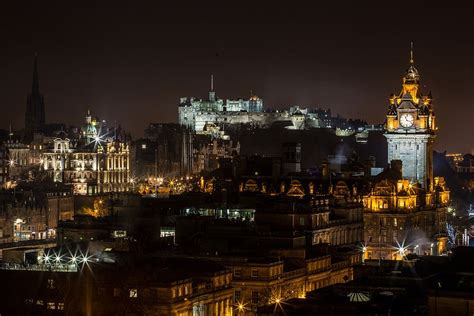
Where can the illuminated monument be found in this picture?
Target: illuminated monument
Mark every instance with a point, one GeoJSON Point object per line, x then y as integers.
{"type": "Point", "coordinates": [410, 130]}
{"type": "Point", "coordinates": [96, 163]}
{"type": "Point", "coordinates": [406, 209]}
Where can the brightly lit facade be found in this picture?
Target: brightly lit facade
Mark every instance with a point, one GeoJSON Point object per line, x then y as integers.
{"type": "Point", "coordinates": [97, 163]}
{"type": "Point", "coordinates": [262, 281]}
{"type": "Point", "coordinates": [410, 130]}
{"type": "Point", "coordinates": [406, 210]}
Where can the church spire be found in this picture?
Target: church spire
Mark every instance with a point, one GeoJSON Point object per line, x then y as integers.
{"type": "Point", "coordinates": [412, 77]}
{"type": "Point", "coordinates": [35, 85]}
{"type": "Point", "coordinates": [35, 113]}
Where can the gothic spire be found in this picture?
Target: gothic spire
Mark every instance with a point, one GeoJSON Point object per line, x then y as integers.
{"type": "Point", "coordinates": [412, 76]}
{"type": "Point", "coordinates": [35, 86]}
{"type": "Point", "coordinates": [35, 113]}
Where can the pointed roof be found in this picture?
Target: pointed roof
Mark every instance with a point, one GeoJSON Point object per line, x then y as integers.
{"type": "Point", "coordinates": [35, 84]}
{"type": "Point", "coordinates": [412, 76]}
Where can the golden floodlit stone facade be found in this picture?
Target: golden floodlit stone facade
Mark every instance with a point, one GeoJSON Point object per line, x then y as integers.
{"type": "Point", "coordinates": [406, 210]}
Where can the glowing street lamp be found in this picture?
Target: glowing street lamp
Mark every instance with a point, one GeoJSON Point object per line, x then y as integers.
{"type": "Point", "coordinates": [401, 249]}
{"type": "Point", "coordinates": [241, 308]}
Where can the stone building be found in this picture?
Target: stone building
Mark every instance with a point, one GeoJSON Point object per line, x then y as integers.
{"type": "Point", "coordinates": [95, 163]}
{"type": "Point", "coordinates": [410, 130]}
{"type": "Point", "coordinates": [4, 166]}
{"type": "Point", "coordinates": [34, 213]}
{"type": "Point", "coordinates": [406, 210]}
{"type": "Point", "coordinates": [258, 281]}
{"type": "Point", "coordinates": [166, 150]}
{"type": "Point", "coordinates": [139, 287]}
{"type": "Point", "coordinates": [197, 114]}
{"type": "Point", "coordinates": [321, 221]}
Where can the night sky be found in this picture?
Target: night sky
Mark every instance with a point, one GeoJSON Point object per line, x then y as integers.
{"type": "Point", "coordinates": [131, 63]}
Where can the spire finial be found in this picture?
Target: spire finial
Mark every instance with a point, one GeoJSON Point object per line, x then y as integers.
{"type": "Point", "coordinates": [35, 86]}
{"type": "Point", "coordinates": [412, 61]}
{"type": "Point", "coordinates": [212, 82]}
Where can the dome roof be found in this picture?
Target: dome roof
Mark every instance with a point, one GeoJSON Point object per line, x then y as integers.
{"type": "Point", "coordinates": [412, 75]}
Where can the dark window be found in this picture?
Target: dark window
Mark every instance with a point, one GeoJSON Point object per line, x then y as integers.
{"type": "Point", "coordinates": [254, 297]}
{"type": "Point", "coordinates": [237, 296]}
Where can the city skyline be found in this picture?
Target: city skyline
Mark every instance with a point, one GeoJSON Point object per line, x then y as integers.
{"type": "Point", "coordinates": [232, 159]}
{"type": "Point", "coordinates": [350, 68]}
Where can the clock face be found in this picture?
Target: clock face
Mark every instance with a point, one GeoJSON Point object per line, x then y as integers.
{"type": "Point", "coordinates": [406, 120]}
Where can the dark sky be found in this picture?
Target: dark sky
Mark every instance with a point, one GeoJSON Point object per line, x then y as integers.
{"type": "Point", "coordinates": [130, 63]}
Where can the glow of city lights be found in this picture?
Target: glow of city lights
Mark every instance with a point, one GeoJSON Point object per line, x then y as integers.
{"type": "Point", "coordinates": [85, 259]}
{"type": "Point", "coordinates": [401, 248]}
{"type": "Point", "coordinates": [241, 307]}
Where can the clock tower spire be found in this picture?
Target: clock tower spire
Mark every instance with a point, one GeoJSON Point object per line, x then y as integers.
{"type": "Point", "coordinates": [410, 129]}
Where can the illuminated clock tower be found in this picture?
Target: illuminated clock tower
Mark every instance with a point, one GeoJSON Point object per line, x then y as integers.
{"type": "Point", "coordinates": [410, 130]}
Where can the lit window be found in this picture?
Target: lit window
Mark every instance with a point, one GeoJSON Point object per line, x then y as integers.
{"type": "Point", "coordinates": [133, 293]}
{"type": "Point", "coordinates": [143, 146]}
{"type": "Point", "coordinates": [254, 273]}
{"type": "Point", "coordinates": [39, 302]}
{"type": "Point", "coordinates": [28, 301]}
{"type": "Point", "coordinates": [61, 306]}
{"type": "Point", "coordinates": [302, 221]}
{"type": "Point", "coordinates": [51, 305]}
{"type": "Point", "coordinates": [51, 284]}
